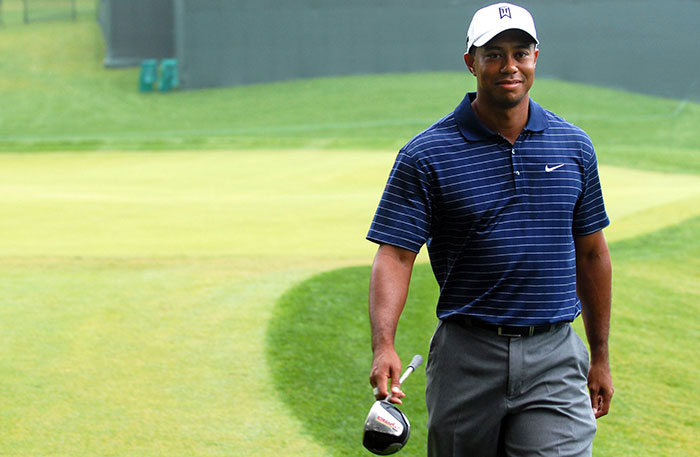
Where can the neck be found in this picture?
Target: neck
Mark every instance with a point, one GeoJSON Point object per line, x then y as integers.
{"type": "Point", "coordinates": [506, 121]}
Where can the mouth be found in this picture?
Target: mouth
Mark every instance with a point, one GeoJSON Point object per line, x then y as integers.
{"type": "Point", "coordinates": [509, 83]}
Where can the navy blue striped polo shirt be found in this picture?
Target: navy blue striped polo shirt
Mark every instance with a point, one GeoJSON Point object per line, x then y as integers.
{"type": "Point", "coordinates": [499, 220]}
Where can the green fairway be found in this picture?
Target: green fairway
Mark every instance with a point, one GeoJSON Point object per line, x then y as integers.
{"type": "Point", "coordinates": [274, 204]}
{"type": "Point", "coordinates": [146, 241]}
{"type": "Point", "coordinates": [138, 287]}
{"type": "Point", "coordinates": [141, 357]}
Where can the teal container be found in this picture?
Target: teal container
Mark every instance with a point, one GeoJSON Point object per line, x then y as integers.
{"type": "Point", "coordinates": [169, 77]}
{"type": "Point", "coordinates": [149, 75]}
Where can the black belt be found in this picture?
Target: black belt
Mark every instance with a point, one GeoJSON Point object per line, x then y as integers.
{"type": "Point", "coordinates": [507, 330]}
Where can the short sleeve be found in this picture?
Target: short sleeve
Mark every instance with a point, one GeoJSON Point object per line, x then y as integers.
{"type": "Point", "coordinates": [404, 212]}
{"type": "Point", "coordinates": [590, 215]}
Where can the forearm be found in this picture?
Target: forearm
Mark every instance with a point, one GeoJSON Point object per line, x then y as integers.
{"type": "Point", "coordinates": [593, 285]}
{"type": "Point", "coordinates": [388, 289]}
{"type": "Point", "coordinates": [594, 288]}
{"type": "Point", "coordinates": [596, 299]}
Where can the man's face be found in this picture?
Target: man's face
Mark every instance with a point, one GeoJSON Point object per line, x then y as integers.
{"type": "Point", "coordinates": [504, 68]}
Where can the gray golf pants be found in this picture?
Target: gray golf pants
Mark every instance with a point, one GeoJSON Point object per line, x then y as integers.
{"type": "Point", "coordinates": [495, 396]}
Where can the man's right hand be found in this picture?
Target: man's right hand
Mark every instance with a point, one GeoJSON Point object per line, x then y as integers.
{"type": "Point", "coordinates": [386, 366]}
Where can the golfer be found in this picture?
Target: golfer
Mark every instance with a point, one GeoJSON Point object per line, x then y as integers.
{"type": "Point", "coordinates": [506, 196]}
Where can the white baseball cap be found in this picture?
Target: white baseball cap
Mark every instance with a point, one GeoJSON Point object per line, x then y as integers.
{"type": "Point", "coordinates": [494, 19]}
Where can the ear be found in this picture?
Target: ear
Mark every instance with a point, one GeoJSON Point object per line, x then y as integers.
{"type": "Point", "coordinates": [537, 53]}
{"type": "Point", "coordinates": [469, 62]}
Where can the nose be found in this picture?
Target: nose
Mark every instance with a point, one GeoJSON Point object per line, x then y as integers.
{"type": "Point", "coordinates": [509, 66]}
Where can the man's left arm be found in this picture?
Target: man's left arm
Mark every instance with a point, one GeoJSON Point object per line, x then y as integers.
{"type": "Point", "coordinates": [594, 289]}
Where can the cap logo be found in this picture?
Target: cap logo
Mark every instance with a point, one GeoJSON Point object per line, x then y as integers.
{"type": "Point", "coordinates": [504, 11]}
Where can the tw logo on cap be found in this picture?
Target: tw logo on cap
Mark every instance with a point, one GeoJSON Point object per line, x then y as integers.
{"type": "Point", "coordinates": [504, 11]}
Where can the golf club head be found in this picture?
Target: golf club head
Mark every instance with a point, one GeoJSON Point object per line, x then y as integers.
{"type": "Point", "coordinates": [386, 429]}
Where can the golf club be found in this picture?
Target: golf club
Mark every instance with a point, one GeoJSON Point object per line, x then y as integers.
{"type": "Point", "coordinates": [387, 428]}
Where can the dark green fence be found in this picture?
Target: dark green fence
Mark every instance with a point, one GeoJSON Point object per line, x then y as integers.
{"type": "Point", "coordinates": [640, 45]}
{"type": "Point", "coordinates": [135, 30]}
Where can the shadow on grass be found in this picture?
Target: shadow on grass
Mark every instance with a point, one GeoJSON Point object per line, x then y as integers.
{"type": "Point", "coordinates": [319, 350]}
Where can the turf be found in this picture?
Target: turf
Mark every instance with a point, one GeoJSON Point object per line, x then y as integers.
{"type": "Point", "coordinates": [318, 347]}
{"type": "Point", "coordinates": [121, 357]}
{"type": "Point", "coordinates": [264, 204]}
{"type": "Point", "coordinates": [137, 288]}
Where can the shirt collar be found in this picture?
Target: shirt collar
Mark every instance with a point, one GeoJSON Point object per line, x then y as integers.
{"type": "Point", "coordinates": [473, 130]}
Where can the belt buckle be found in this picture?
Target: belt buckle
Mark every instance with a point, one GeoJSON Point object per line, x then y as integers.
{"type": "Point", "coordinates": [511, 335]}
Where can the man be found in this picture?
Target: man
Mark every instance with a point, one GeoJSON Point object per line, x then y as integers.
{"type": "Point", "coordinates": [507, 198]}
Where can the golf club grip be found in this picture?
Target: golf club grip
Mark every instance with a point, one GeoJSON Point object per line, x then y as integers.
{"type": "Point", "coordinates": [415, 363]}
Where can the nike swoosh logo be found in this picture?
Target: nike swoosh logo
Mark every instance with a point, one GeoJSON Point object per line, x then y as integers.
{"type": "Point", "coordinates": [547, 168]}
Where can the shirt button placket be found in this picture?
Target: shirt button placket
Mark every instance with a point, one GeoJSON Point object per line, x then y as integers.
{"type": "Point", "coordinates": [516, 165]}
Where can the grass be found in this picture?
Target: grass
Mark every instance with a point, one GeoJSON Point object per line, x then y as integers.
{"type": "Point", "coordinates": [246, 204]}
{"type": "Point", "coordinates": [57, 96]}
{"type": "Point", "coordinates": [318, 346]}
{"type": "Point", "coordinates": [259, 203]}
{"type": "Point", "coordinates": [123, 357]}
{"type": "Point", "coordinates": [137, 289]}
